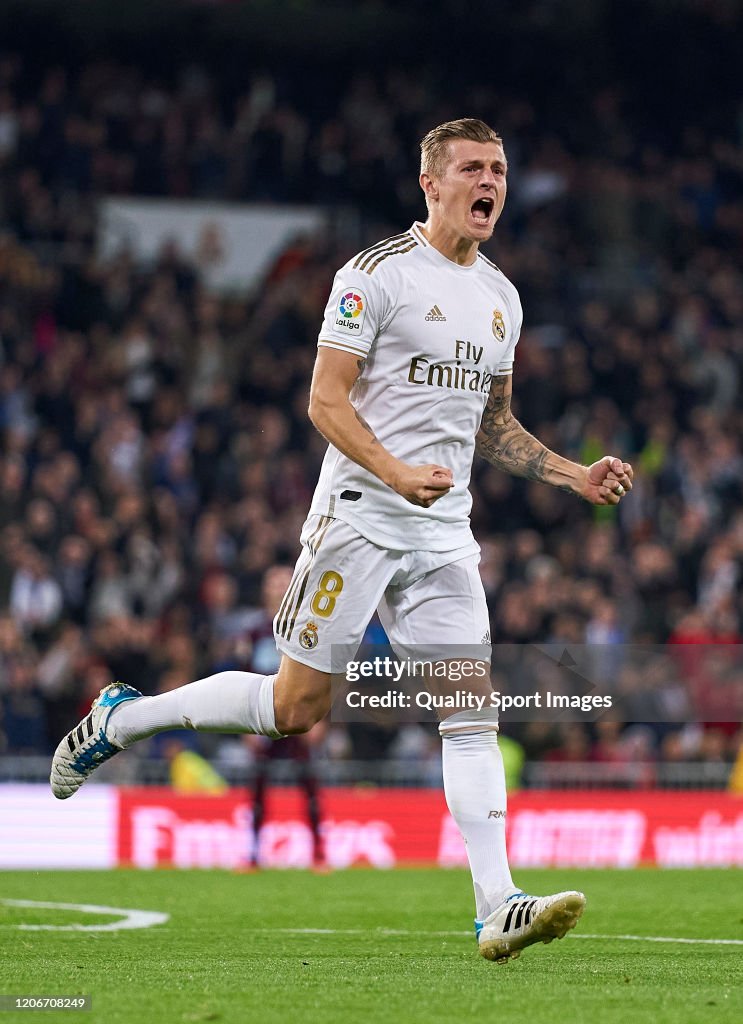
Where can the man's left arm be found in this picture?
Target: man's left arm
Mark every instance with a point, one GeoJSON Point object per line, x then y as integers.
{"type": "Point", "coordinates": [506, 444]}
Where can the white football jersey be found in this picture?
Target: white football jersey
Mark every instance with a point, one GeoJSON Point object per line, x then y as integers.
{"type": "Point", "coordinates": [432, 335]}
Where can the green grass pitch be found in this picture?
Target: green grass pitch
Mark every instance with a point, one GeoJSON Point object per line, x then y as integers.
{"type": "Point", "coordinates": [387, 946]}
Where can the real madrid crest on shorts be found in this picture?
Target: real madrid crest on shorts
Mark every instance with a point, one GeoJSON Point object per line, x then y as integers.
{"type": "Point", "coordinates": [498, 325]}
{"type": "Point", "coordinates": [308, 638]}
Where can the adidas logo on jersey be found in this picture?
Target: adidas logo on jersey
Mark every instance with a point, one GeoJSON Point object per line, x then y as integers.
{"type": "Point", "coordinates": [435, 314]}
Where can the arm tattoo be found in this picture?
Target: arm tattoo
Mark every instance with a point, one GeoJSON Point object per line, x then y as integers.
{"type": "Point", "coordinates": [504, 442]}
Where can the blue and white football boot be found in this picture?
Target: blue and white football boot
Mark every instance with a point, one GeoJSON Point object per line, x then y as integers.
{"type": "Point", "coordinates": [522, 920]}
{"type": "Point", "coordinates": [90, 743]}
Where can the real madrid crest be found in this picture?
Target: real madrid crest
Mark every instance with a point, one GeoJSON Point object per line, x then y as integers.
{"type": "Point", "coordinates": [498, 325]}
{"type": "Point", "coordinates": [308, 638]}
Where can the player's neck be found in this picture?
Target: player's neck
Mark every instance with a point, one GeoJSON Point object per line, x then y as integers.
{"type": "Point", "coordinates": [462, 251]}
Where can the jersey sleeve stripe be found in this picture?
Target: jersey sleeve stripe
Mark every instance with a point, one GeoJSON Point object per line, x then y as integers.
{"type": "Point", "coordinates": [417, 233]}
{"type": "Point", "coordinates": [329, 343]}
{"type": "Point", "coordinates": [489, 262]}
{"type": "Point", "coordinates": [391, 252]}
{"type": "Point", "coordinates": [378, 245]}
{"type": "Point", "coordinates": [363, 264]}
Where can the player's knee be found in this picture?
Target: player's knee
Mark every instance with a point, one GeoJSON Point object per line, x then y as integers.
{"type": "Point", "coordinates": [301, 697]}
{"type": "Point", "coordinates": [300, 716]}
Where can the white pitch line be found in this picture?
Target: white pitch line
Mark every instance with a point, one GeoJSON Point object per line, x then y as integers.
{"type": "Point", "coordinates": [129, 918]}
{"type": "Point", "coordinates": [354, 931]}
{"type": "Point", "coordinates": [147, 918]}
{"type": "Point", "coordinates": [459, 934]}
{"type": "Point", "coordinates": [661, 938]}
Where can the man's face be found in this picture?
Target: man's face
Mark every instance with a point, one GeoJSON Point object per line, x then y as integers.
{"type": "Point", "coordinates": [470, 194]}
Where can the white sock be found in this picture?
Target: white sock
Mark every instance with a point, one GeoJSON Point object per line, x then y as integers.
{"type": "Point", "coordinates": [475, 788]}
{"type": "Point", "coordinates": [226, 702]}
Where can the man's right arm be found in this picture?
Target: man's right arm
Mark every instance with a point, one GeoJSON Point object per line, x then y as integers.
{"type": "Point", "coordinates": [332, 413]}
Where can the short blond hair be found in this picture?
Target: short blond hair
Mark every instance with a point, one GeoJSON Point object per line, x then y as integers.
{"type": "Point", "coordinates": [435, 145]}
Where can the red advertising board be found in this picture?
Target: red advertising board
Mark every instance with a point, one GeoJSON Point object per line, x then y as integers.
{"type": "Point", "coordinates": [380, 828]}
{"type": "Point", "coordinates": [105, 826]}
{"type": "Point", "coordinates": [385, 827]}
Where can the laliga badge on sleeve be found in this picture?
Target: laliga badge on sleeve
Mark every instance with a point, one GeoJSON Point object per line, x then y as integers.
{"type": "Point", "coordinates": [351, 312]}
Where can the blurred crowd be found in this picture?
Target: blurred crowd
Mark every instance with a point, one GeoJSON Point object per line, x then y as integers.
{"type": "Point", "coordinates": [156, 460]}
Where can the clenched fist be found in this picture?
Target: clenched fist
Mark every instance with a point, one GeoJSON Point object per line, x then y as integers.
{"type": "Point", "coordinates": [422, 485]}
{"type": "Point", "coordinates": [607, 481]}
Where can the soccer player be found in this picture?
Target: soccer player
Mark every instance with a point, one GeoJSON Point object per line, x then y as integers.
{"type": "Point", "coordinates": [412, 378]}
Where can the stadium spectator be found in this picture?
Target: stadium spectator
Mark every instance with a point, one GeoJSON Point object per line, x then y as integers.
{"type": "Point", "coordinates": [628, 258]}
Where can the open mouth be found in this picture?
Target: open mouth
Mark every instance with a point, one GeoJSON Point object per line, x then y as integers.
{"type": "Point", "coordinates": [482, 209]}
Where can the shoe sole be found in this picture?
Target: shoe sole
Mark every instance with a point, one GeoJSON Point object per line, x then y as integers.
{"type": "Point", "coordinates": [63, 778]}
{"type": "Point", "coordinates": [553, 923]}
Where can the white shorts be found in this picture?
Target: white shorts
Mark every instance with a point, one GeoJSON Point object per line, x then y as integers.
{"type": "Point", "coordinates": [425, 599]}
